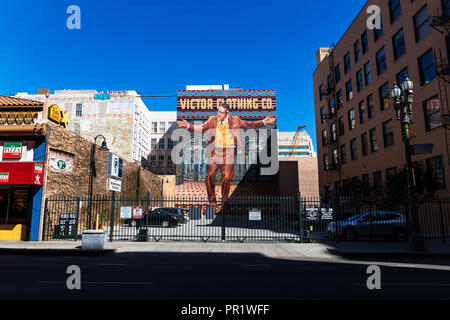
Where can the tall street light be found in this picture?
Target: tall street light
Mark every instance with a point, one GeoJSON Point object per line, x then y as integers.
{"type": "Point", "coordinates": [403, 104]}
{"type": "Point", "coordinates": [93, 172]}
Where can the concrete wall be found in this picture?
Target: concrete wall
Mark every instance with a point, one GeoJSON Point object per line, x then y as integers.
{"type": "Point", "coordinates": [307, 173]}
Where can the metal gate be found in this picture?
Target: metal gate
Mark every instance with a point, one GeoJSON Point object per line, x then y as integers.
{"type": "Point", "coordinates": [239, 219]}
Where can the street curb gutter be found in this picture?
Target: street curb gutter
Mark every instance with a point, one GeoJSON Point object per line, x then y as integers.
{"type": "Point", "coordinates": [399, 254]}
{"type": "Point", "coordinates": [55, 252]}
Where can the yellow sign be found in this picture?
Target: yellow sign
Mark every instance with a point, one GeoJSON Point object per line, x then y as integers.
{"type": "Point", "coordinates": [54, 113]}
{"type": "Point", "coordinates": [65, 118]}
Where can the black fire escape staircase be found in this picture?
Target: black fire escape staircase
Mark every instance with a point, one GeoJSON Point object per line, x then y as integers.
{"type": "Point", "coordinates": [440, 20]}
{"type": "Point", "coordinates": [443, 77]}
{"type": "Point", "coordinates": [331, 117]}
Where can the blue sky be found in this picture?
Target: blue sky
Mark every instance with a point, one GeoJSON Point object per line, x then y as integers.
{"type": "Point", "coordinates": [158, 47]}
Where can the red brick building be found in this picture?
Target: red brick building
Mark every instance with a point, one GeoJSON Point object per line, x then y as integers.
{"type": "Point", "coordinates": [359, 136]}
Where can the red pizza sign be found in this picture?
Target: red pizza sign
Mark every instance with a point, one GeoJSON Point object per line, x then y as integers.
{"type": "Point", "coordinates": [12, 150]}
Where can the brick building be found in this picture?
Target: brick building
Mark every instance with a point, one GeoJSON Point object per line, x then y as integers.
{"type": "Point", "coordinates": [359, 136]}
{"type": "Point", "coordinates": [41, 158]}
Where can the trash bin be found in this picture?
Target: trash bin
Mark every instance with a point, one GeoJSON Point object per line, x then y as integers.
{"type": "Point", "coordinates": [94, 239]}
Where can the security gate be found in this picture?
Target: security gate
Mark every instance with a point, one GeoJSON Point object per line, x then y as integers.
{"type": "Point", "coordinates": [239, 219]}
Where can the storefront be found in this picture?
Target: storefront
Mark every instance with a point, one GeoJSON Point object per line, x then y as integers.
{"type": "Point", "coordinates": [22, 167]}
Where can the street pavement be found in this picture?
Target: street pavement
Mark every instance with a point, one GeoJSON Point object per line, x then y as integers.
{"type": "Point", "coordinates": [215, 271]}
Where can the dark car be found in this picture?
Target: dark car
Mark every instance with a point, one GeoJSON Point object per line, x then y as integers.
{"type": "Point", "coordinates": [162, 217]}
{"type": "Point", "coordinates": [179, 213]}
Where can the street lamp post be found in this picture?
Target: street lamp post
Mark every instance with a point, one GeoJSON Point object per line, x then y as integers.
{"type": "Point", "coordinates": [93, 173]}
{"type": "Point", "coordinates": [403, 104]}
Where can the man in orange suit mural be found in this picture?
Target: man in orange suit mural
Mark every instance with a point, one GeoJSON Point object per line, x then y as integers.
{"type": "Point", "coordinates": [223, 145]}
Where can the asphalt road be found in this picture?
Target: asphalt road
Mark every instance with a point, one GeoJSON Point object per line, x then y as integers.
{"type": "Point", "coordinates": [184, 276]}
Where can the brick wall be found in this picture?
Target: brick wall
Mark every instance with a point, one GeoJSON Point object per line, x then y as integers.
{"type": "Point", "coordinates": [78, 149]}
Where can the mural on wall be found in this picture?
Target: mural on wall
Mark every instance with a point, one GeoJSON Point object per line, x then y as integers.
{"type": "Point", "coordinates": [223, 138]}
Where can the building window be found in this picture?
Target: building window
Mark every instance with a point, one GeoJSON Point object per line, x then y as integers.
{"type": "Point", "coordinates": [169, 144]}
{"type": "Point", "coordinates": [324, 138]}
{"type": "Point", "coordinates": [353, 149]}
{"type": "Point", "coordinates": [401, 76]}
{"type": "Point", "coordinates": [333, 132]}
{"type": "Point", "coordinates": [340, 102]}
{"type": "Point", "coordinates": [357, 50]}
{"type": "Point", "coordinates": [365, 42]}
{"type": "Point", "coordinates": [349, 90]}
{"type": "Point", "coordinates": [161, 161]}
{"type": "Point", "coordinates": [161, 144]}
{"type": "Point", "coordinates": [367, 73]}
{"type": "Point", "coordinates": [337, 73]}
{"type": "Point", "coordinates": [322, 114]}
{"type": "Point", "coordinates": [370, 107]}
{"type": "Point", "coordinates": [381, 61]}
{"type": "Point", "coordinates": [364, 144]}
{"type": "Point", "coordinates": [351, 119]}
{"type": "Point", "coordinates": [321, 92]}
{"type": "Point", "coordinates": [154, 127]}
{"type": "Point", "coordinates": [335, 158]}
{"type": "Point", "coordinates": [79, 110]}
{"type": "Point", "coordinates": [331, 107]}
{"type": "Point", "coordinates": [388, 133]}
{"type": "Point", "coordinates": [421, 24]}
{"type": "Point", "coordinates": [395, 9]}
{"type": "Point", "coordinates": [390, 172]}
{"type": "Point", "coordinates": [427, 69]}
{"type": "Point", "coordinates": [373, 140]}
{"type": "Point", "coordinates": [377, 33]}
{"type": "Point", "coordinates": [347, 65]}
{"type": "Point", "coordinates": [398, 42]}
{"type": "Point", "coordinates": [432, 112]}
{"type": "Point", "coordinates": [162, 127]}
{"type": "Point", "coordinates": [341, 126]}
{"type": "Point", "coordinates": [343, 154]}
{"type": "Point", "coordinates": [362, 111]}
{"type": "Point", "coordinates": [330, 82]}
{"type": "Point", "coordinates": [435, 166]}
{"type": "Point", "coordinates": [325, 162]}
{"type": "Point", "coordinates": [153, 144]}
{"type": "Point", "coordinates": [384, 96]}
{"type": "Point", "coordinates": [359, 81]}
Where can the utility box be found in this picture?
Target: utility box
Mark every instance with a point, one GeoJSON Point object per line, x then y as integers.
{"type": "Point", "coordinates": [94, 239]}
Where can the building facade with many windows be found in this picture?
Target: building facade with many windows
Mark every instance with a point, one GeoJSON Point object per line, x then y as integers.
{"type": "Point", "coordinates": [289, 146]}
{"type": "Point", "coordinates": [120, 116]}
{"type": "Point", "coordinates": [359, 136]}
{"type": "Point", "coordinates": [161, 144]}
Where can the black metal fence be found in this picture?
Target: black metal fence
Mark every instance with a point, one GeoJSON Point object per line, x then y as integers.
{"type": "Point", "coordinates": [251, 219]}
{"type": "Point", "coordinates": [347, 219]}
{"type": "Point", "coordinates": [243, 219]}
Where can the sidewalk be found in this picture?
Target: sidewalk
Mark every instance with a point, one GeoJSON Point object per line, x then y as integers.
{"type": "Point", "coordinates": [274, 250]}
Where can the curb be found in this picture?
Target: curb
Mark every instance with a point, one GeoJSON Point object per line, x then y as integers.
{"type": "Point", "coordinates": [399, 254]}
{"type": "Point", "coordinates": [55, 252]}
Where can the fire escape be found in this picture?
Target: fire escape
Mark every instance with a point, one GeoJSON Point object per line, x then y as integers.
{"type": "Point", "coordinates": [440, 21]}
{"type": "Point", "coordinates": [332, 123]}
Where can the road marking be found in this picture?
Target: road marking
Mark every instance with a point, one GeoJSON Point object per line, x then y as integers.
{"type": "Point", "coordinates": [102, 282]}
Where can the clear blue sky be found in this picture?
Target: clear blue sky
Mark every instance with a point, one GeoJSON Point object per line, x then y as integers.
{"type": "Point", "coordinates": [158, 47]}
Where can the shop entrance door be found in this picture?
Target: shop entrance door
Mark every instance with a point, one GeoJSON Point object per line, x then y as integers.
{"type": "Point", "coordinates": [4, 200]}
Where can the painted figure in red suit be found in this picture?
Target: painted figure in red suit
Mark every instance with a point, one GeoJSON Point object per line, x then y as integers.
{"type": "Point", "coordinates": [223, 145]}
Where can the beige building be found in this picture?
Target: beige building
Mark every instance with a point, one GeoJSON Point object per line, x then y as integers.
{"type": "Point", "coordinates": [359, 136]}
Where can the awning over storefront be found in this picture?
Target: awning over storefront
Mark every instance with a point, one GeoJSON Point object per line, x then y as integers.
{"type": "Point", "coordinates": [22, 173]}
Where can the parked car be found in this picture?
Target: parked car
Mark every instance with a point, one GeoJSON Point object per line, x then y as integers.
{"type": "Point", "coordinates": [161, 216]}
{"type": "Point", "coordinates": [179, 213]}
{"type": "Point", "coordinates": [377, 223]}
